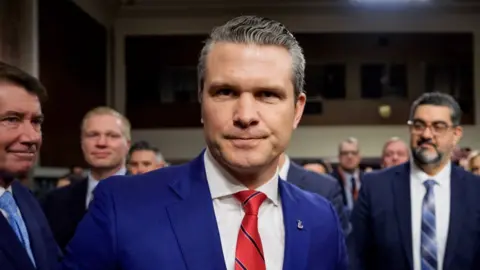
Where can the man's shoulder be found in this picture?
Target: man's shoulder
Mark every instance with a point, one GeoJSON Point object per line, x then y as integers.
{"type": "Point", "coordinates": [307, 199]}
{"type": "Point", "coordinates": [67, 191]}
{"type": "Point", "coordinates": [157, 180]}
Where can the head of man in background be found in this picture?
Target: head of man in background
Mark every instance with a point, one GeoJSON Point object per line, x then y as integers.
{"type": "Point", "coordinates": [143, 158]}
{"type": "Point", "coordinates": [349, 155]}
{"type": "Point", "coordinates": [20, 122]}
{"type": "Point", "coordinates": [395, 152]}
{"type": "Point", "coordinates": [105, 141]}
{"type": "Point", "coordinates": [435, 131]}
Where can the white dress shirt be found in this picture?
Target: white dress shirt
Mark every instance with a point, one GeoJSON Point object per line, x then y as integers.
{"type": "Point", "coordinates": [3, 190]}
{"type": "Point", "coordinates": [92, 184]}
{"type": "Point", "coordinates": [284, 170]}
{"type": "Point", "coordinates": [229, 214]}
{"type": "Point", "coordinates": [442, 210]}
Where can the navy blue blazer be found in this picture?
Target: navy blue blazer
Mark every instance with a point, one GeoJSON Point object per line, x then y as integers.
{"type": "Point", "coordinates": [323, 185]}
{"type": "Point", "coordinates": [13, 255]}
{"type": "Point", "coordinates": [382, 225]}
{"type": "Point", "coordinates": [165, 220]}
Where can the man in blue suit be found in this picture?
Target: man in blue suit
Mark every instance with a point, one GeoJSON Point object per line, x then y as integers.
{"type": "Point", "coordinates": [26, 242]}
{"type": "Point", "coordinates": [423, 214]}
{"type": "Point", "coordinates": [227, 209]}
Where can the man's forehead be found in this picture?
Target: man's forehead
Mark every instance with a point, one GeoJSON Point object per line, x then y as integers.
{"type": "Point", "coordinates": [143, 154]}
{"type": "Point", "coordinates": [433, 113]}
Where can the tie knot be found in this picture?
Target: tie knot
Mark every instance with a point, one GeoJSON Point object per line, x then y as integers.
{"type": "Point", "coordinates": [7, 203]}
{"type": "Point", "coordinates": [429, 184]}
{"type": "Point", "coordinates": [250, 200]}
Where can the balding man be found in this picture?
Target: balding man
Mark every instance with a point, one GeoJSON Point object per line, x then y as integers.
{"type": "Point", "coordinates": [395, 152]}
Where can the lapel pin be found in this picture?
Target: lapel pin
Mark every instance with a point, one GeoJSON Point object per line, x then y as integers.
{"type": "Point", "coordinates": [299, 225]}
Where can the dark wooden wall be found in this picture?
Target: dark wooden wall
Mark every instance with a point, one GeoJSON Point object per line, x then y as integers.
{"type": "Point", "coordinates": [73, 68]}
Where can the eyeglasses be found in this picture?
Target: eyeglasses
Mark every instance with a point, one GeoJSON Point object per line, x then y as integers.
{"type": "Point", "coordinates": [437, 128]}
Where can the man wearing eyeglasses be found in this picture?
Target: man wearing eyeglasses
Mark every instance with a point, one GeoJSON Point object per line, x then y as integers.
{"type": "Point", "coordinates": [423, 214]}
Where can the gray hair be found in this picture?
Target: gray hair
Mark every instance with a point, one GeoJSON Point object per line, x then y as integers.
{"type": "Point", "coordinates": [439, 99]}
{"type": "Point", "coordinates": [258, 31]}
{"type": "Point", "coordinates": [349, 140]}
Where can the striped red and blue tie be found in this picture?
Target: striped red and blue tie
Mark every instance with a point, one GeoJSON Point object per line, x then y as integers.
{"type": "Point", "coordinates": [249, 253]}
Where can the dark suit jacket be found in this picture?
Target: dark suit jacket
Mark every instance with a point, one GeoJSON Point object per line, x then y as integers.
{"type": "Point", "coordinates": [165, 219]}
{"type": "Point", "coordinates": [13, 255]}
{"type": "Point", "coordinates": [382, 221]}
{"type": "Point", "coordinates": [64, 208]}
{"type": "Point", "coordinates": [338, 176]}
{"type": "Point", "coordinates": [323, 185]}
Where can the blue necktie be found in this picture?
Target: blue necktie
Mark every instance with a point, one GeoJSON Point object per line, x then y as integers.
{"type": "Point", "coordinates": [429, 236]}
{"type": "Point", "coordinates": [8, 204]}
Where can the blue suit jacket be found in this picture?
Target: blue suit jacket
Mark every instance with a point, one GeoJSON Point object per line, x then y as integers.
{"type": "Point", "coordinates": [13, 255]}
{"type": "Point", "coordinates": [323, 185]}
{"type": "Point", "coordinates": [165, 220]}
{"type": "Point", "coordinates": [382, 228]}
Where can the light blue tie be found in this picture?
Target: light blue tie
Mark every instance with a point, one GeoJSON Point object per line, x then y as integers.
{"type": "Point", "coordinates": [429, 235]}
{"type": "Point", "coordinates": [8, 204]}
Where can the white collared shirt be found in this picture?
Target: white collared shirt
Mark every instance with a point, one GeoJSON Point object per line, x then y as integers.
{"type": "Point", "coordinates": [442, 210]}
{"type": "Point", "coordinates": [3, 190]}
{"type": "Point", "coordinates": [229, 214]}
{"type": "Point", "coordinates": [92, 184]}
{"type": "Point", "coordinates": [285, 167]}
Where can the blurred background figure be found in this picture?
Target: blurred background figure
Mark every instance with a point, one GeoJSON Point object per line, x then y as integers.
{"type": "Point", "coordinates": [395, 152]}
{"type": "Point", "coordinates": [318, 167]}
{"type": "Point", "coordinates": [143, 158]}
{"type": "Point", "coordinates": [474, 162]}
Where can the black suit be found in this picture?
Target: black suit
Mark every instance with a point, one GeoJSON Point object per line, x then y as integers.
{"type": "Point", "coordinates": [321, 184]}
{"type": "Point", "coordinates": [339, 177]}
{"type": "Point", "coordinates": [382, 221]}
{"type": "Point", "coordinates": [13, 255]}
{"type": "Point", "coordinates": [64, 209]}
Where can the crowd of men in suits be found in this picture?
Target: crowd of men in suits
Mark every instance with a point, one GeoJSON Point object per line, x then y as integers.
{"type": "Point", "coordinates": [242, 203]}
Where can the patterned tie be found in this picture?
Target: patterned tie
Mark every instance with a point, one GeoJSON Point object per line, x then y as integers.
{"type": "Point", "coordinates": [429, 238]}
{"type": "Point", "coordinates": [8, 204]}
{"type": "Point", "coordinates": [249, 253]}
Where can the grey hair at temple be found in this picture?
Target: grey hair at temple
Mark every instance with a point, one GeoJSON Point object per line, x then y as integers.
{"type": "Point", "coordinates": [258, 31]}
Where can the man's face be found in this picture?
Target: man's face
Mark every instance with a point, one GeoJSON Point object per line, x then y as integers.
{"type": "Point", "coordinates": [248, 106]}
{"type": "Point", "coordinates": [104, 144]}
{"type": "Point", "coordinates": [395, 153]}
{"type": "Point", "coordinates": [143, 161]}
{"type": "Point", "coordinates": [315, 167]}
{"type": "Point", "coordinates": [20, 129]}
{"type": "Point", "coordinates": [432, 134]}
{"type": "Point", "coordinates": [349, 156]}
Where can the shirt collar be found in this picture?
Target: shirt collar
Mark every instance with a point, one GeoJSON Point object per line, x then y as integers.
{"type": "Point", "coordinates": [222, 184]}
{"type": "Point", "coordinates": [285, 167]}
{"type": "Point", "coordinates": [92, 182]}
{"type": "Point", "coordinates": [440, 178]}
{"type": "Point", "coordinates": [2, 190]}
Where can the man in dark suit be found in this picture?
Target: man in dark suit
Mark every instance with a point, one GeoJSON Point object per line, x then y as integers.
{"type": "Point", "coordinates": [348, 173]}
{"type": "Point", "coordinates": [105, 144]}
{"type": "Point", "coordinates": [227, 209]}
{"type": "Point", "coordinates": [423, 214]}
{"type": "Point", "coordinates": [26, 242]}
{"type": "Point", "coordinates": [321, 184]}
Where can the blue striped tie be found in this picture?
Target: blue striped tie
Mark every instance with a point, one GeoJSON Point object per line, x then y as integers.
{"type": "Point", "coordinates": [429, 237]}
{"type": "Point", "coordinates": [8, 204]}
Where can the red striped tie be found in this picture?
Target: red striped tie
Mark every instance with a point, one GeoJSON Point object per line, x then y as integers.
{"type": "Point", "coordinates": [249, 254]}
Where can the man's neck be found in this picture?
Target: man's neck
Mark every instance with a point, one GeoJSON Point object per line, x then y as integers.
{"type": "Point", "coordinates": [102, 173]}
{"type": "Point", "coordinates": [256, 177]}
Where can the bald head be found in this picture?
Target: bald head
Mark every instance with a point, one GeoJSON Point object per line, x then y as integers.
{"type": "Point", "coordinates": [395, 152]}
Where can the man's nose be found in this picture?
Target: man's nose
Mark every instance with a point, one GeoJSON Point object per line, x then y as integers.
{"type": "Point", "coordinates": [31, 134]}
{"type": "Point", "coordinates": [245, 113]}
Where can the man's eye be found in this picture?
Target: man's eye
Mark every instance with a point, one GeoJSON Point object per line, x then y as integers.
{"type": "Point", "coordinates": [224, 92]}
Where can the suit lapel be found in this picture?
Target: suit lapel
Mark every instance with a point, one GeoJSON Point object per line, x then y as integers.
{"type": "Point", "coordinates": [458, 205]}
{"type": "Point", "coordinates": [9, 242]}
{"type": "Point", "coordinates": [401, 193]}
{"type": "Point", "coordinates": [193, 220]}
{"type": "Point", "coordinates": [297, 236]}
{"type": "Point", "coordinates": [25, 203]}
